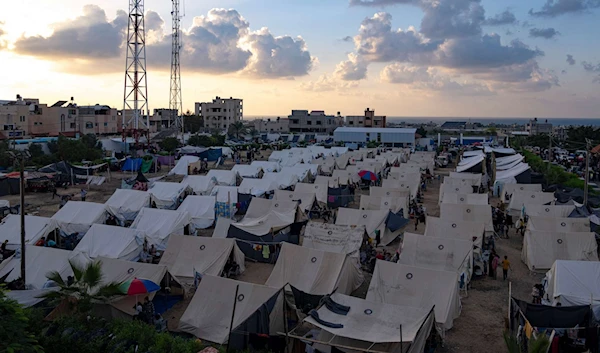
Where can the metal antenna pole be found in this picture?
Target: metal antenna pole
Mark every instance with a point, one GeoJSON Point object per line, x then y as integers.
{"type": "Point", "coordinates": [587, 171]}
{"type": "Point", "coordinates": [175, 101]}
{"type": "Point", "coordinates": [22, 197]}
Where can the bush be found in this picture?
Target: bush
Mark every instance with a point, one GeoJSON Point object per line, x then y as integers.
{"type": "Point", "coordinates": [553, 174]}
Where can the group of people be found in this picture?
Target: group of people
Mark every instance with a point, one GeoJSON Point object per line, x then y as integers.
{"type": "Point", "coordinates": [203, 167]}
{"type": "Point", "coordinates": [369, 255]}
{"type": "Point", "coordinates": [418, 212]}
{"type": "Point", "coordinates": [502, 221]}
{"type": "Point", "coordinates": [145, 312]}
{"type": "Point", "coordinates": [492, 264]}
{"type": "Point", "coordinates": [69, 197]}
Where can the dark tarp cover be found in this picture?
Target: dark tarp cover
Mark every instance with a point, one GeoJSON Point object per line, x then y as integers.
{"type": "Point", "coordinates": [132, 165]}
{"type": "Point", "coordinates": [339, 197]}
{"type": "Point", "coordinates": [395, 221]}
{"type": "Point", "coordinates": [524, 178]}
{"type": "Point", "coordinates": [295, 138]}
{"type": "Point", "coordinates": [64, 168]}
{"type": "Point", "coordinates": [247, 243]}
{"type": "Point", "coordinates": [556, 316]}
{"type": "Point", "coordinates": [575, 194]}
{"type": "Point", "coordinates": [9, 186]}
{"type": "Point", "coordinates": [211, 155]}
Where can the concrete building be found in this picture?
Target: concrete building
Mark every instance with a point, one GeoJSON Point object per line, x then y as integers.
{"type": "Point", "coordinates": [162, 119]}
{"type": "Point", "coordinates": [99, 119]}
{"type": "Point", "coordinates": [281, 125]}
{"type": "Point", "coordinates": [395, 137]}
{"type": "Point", "coordinates": [220, 113]}
{"type": "Point", "coordinates": [316, 121]}
{"type": "Point", "coordinates": [14, 117]}
{"type": "Point", "coordinates": [534, 127]}
{"type": "Point", "coordinates": [369, 119]}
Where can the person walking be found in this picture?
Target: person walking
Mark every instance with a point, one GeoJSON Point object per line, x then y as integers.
{"type": "Point", "coordinates": [505, 267]}
{"type": "Point", "coordinates": [83, 194]}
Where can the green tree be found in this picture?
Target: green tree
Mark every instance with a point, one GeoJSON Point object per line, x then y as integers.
{"type": "Point", "coordinates": [15, 331]}
{"type": "Point", "coordinates": [421, 131]}
{"type": "Point", "coordinates": [35, 150]}
{"type": "Point", "coordinates": [536, 345]}
{"type": "Point", "coordinates": [236, 129]}
{"type": "Point", "coordinates": [86, 289]}
{"type": "Point", "coordinates": [253, 133]}
{"type": "Point", "coordinates": [169, 144]}
{"type": "Point", "coordinates": [192, 123]}
{"type": "Point", "coordinates": [492, 131]}
{"type": "Point", "coordinates": [202, 141]}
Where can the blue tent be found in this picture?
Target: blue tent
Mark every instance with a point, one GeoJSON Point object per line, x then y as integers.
{"type": "Point", "coordinates": [211, 155]}
{"type": "Point", "coordinates": [132, 165]}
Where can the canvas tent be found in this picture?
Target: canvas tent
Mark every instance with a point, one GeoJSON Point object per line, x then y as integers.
{"type": "Point", "coordinates": [39, 261]}
{"type": "Point", "coordinates": [307, 200]}
{"type": "Point", "coordinates": [509, 189]}
{"type": "Point", "coordinates": [417, 287]}
{"type": "Point", "coordinates": [314, 271]}
{"type": "Point", "coordinates": [186, 255]}
{"type": "Point", "coordinates": [320, 191]}
{"type": "Point", "coordinates": [347, 176]}
{"type": "Point", "coordinates": [181, 168]}
{"type": "Point", "coordinates": [327, 181]}
{"type": "Point", "coordinates": [525, 198]}
{"type": "Point", "coordinates": [474, 177]}
{"type": "Point", "coordinates": [125, 204]}
{"type": "Point", "coordinates": [35, 228]}
{"type": "Point", "coordinates": [201, 210]}
{"type": "Point", "coordinates": [372, 220]}
{"type": "Point", "coordinates": [158, 224]}
{"type": "Point", "coordinates": [223, 177]}
{"type": "Point", "coordinates": [282, 180]}
{"type": "Point", "coordinates": [266, 166]}
{"type": "Point", "coordinates": [334, 238]}
{"type": "Point", "coordinates": [112, 242]}
{"type": "Point", "coordinates": [542, 248]}
{"type": "Point", "coordinates": [394, 204]}
{"type": "Point", "coordinates": [166, 195]}
{"type": "Point", "coordinates": [457, 189]}
{"type": "Point", "coordinates": [200, 184]}
{"type": "Point", "coordinates": [389, 192]}
{"type": "Point", "coordinates": [468, 199]}
{"type": "Point", "coordinates": [208, 316]}
{"type": "Point", "coordinates": [470, 164]}
{"type": "Point", "coordinates": [558, 224]}
{"type": "Point", "coordinates": [470, 213]}
{"type": "Point", "coordinates": [247, 171]}
{"type": "Point", "coordinates": [549, 210]}
{"type": "Point", "coordinates": [257, 187]}
{"type": "Point", "coordinates": [78, 216]}
{"type": "Point", "coordinates": [412, 186]}
{"type": "Point", "coordinates": [455, 229]}
{"type": "Point", "coordinates": [226, 193]}
{"type": "Point", "coordinates": [573, 283]}
{"type": "Point", "coordinates": [403, 176]}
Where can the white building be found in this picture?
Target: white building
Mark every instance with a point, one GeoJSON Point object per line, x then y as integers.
{"type": "Point", "coordinates": [221, 112]}
{"type": "Point", "coordinates": [281, 125]}
{"type": "Point", "coordinates": [396, 137]}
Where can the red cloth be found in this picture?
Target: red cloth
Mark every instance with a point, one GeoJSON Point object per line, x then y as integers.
{"type": "Point", "coordinates": [379, 256]}
{"type": "Point", "coordinates": [554, 346]}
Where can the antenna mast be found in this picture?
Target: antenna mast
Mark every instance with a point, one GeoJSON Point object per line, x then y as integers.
{"type": "Point", "coordinates": [135, 97]}
{"type": "Point", "coordinates": [175, 101]}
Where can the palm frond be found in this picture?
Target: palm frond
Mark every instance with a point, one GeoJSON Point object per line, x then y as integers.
{"type": "Point", "coordinates": [55, 277]}
{"type": "Point", "coordinates": [52, 295]}
{"type": "Point", "coordinates": [511, 343]}
{"type": "Point", "coordinates": [539, 344]}
{"type": "Point", "coordinates": [109, 290]}
{"type": "Point", "coordinates": [92, 274]}
{"type": "Point", "coordinates": [77, 270]}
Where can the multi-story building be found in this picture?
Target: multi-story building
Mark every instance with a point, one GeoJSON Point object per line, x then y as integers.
{"type": "Point", "coordinates": [316, 122]}
{"type": "Point", "coordinates": [99, 119]}
{"type": "Point", "coordinates": [281, 125]}
{"type": "Point", "coordinates": [14, 117]}
{"type": "Point", "coordinates": [369, 119]}
{"type": "Point", "coordinates": [221, 112]}
{"type": "Point", "coordinates": [535, 128]}
{"type": "Point", "coordinates": [162, 118]}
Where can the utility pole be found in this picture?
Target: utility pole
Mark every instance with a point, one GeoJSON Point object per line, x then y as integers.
{"type": "Point", "coordinates": [20, 156]}
{"type": "Point", "coordinates": [587, 170]}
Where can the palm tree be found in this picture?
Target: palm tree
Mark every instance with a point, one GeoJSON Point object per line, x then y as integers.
{"type": "Point", "coordinates": [536, 345]}
{"type": "Point", "coordinates": [237, 128]}
{"type": "Point", "coordinates": [85, 289]}
{"type": "Point", "coordinates": [253, 133]}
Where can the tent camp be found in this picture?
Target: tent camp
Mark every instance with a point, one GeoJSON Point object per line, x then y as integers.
{"type": "Point", "coordinates": [369, 326]}
{"type": "Point", "coordinates": [471, 164]}
{"type": "Point", "coordinates": [394, 204]}
{"type": "Point", "coordinates": [247, 171]}
{"type": "Point", "coordinates": [266, 166]}
{"type": "Point", "coordinates": [223, 177]}
{"type": "Point", "coordinates": [112, 242]}
{"type": "Point", "coordinates": [468, 199]}
{"type": "Point", "coordinates": [125, 204]}
{"type": "Point", "coordinates": [257, 187]}
{"type": "Point", "coordinates": [158, 224]}
{"type": "Point", "coordinates": [455, 229]}
{"type": "Point", "coordinates": [225, 193]}
{"type": "Point", "coordinates": [314, 271]}
{"type": "Point", "coordinates": [208, 316]}
{"type": "Point", "coordinates": [320, 191]}
{"type": "Point", "coordinates": [334, 238]}
{"type": "Point", "coordinates": [389, 191]}
{"type": "Point", "coordinates": [520, 173]}
{"type": "Point", "coordinates": [542, 248]}
{"type": "Point", "coordinates": [200, 184]}
{"type": "Point", "coordinates": [525, 198]}
{"type": "Point", "coordinates": [182, 166]}
{"type": "Point", "coordinates": [403, 176]}
{"type": "Point", "coordinates": [186, 255]}
{"type": "Point", "coordinates": [558, 224]}
{"type": "Point", "coordinates": [39, 261]}
{"type": "Point", "coordinates": [457, 181]}
{"type": "Point", "coordinates": [201, 210]}
{"type": "Point", "coordinates": [444, 254]}
{"type": "Point", "coordinates": [509, 189]}
{"type": "Point", "coordinates": [559, 211]}
{"type": "Point", "coordinates": [35, 228]}
{"type": "Point", "coordinates": [347, 176]}
{"type": "Point", "coordinates": [469, 213]}
{"type": "Point", "coordinates": [372, 220]}
{"type": "Point", "coordinates": [418, 287]}
{"type": "Point", "coordinates": [166, 195]}
{"type": "Point", "coordinates": [282, 180]}
{"type": "Point", "coordinates": [573, 283]}
{"type": "Point", "coordinates": [474, 177]}
{"type": "Point", "coordinates": [307, 200]}
{"type": "Point", "coordinates": [304, 172]}
{"type": "Point", "coordinates": [412, 186]}
{"type": "Point", "coordinates": [78, 216]}
{"type": "Point", "coordinates": [457, 189]}
{"type": "Point", "coordinates": [327, 181]}
{"type": "Point", "coordinates": [222, 227]}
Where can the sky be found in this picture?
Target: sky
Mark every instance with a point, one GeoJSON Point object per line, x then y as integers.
{"type": "Point", "coordinates": [430, 58]}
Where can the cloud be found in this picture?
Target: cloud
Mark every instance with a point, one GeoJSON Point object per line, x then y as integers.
{"type": "Point", "coordinates": [547, 33]}
{"type": "Point", "coordinates": [353, 69]}
{"type": "Point", "coordinates": [509, 33]}
{"type": "Point", "coordinates": [571, 60]}
{"type": "Point", "coordinates": [503, 18]}
{"type": "Point", "coordinates": [554, 8]}
{"type": "Point", "coordinates": [327, 82]}
{"type": "Point", "coordinates": [347, 39]}
{"type": "Point", "coordinates": [89, 36]}
{"type": "Point", "coordinates": [380, 3]}
{"type": "Point", "coordinates": [452, 18]}
{"type": "Point", "coordinates": [592, 68]}
{"type": "Point", "coordinates": [3, 43]}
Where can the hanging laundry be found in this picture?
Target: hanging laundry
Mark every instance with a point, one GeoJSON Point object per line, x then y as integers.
{"type": "Point", "coordinates": [266, 252]}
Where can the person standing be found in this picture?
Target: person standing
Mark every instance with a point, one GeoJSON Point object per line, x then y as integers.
{"type": "Point", "coordinates": [505, 267]}
{"type": "Point", "coordinates": [83, 194]}
{"type": "Point", "coordinates": [495, 266]}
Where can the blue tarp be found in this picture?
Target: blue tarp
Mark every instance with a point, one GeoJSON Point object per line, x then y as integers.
{"type": "Point", "coordinates": [132, 165]}
{"type": "Point", "coordinates": [295, 138]}
{"type": "Point", "coordinates": [211, 154]}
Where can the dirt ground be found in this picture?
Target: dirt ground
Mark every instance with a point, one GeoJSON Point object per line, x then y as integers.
{"type": "Point", "coordinates": [480, 325]}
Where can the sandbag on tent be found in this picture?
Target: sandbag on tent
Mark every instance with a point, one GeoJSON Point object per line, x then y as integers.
{"type": "Point", "coordinates": [394, 204]}
{"type": "Point", "coordinates": [200, 184]}
{"type": "Point", "coordinates": [418, 287]}
{"type": "Point", "coordinates": [558, 224]}
{"type": "Point", "coordinates": [469, 213]}
{"type": "Point", "coordinates": [559, 211]}
{"type": "Point", "coordinates": [257, 187]}
{"type": "Point", "coordinates": [158, 224]}
{"type": "Point", "coordinates": [35, 228]}
{"type": "Point", "coordinates": [319, 190]}
{"type": "Point", "coordinates": [374, 222]}
{"type": "Point", "coordinates": [78, 216]}
{"type": "Point", "coordinates": [223, 177]}
{"type": "Point", "coordinates": [468, 199]}
{"type": "Point", "coordinates": [125, 204]}
{"type": "Point", "coordinates": [187, 255]}
{"type": "Point", "coordinates": [39, 261]}
{"type": "Point", "coordinates": [542, 248]}
{"type": "Point", "coordinates": [444, 254]}
{"type": "Point", "coordinates": [314, 271]}
{"type": "Point", "coordinates": [388, 192]}
{"type": "Point", "coordinates": [201, 210]}
{"type": "Point", "coordinates": [247, 171]}
{"type": "Point", "coordinates": [457, 189]}
{"type": "Point", "coordinates": [455, 229]}
{"type": "Point", "coordinates": [282, 180]}
{"type": "Point", "coordinates": [205, 315]}
{"type": "Point", "coordinates": [166, 195]}
{"type": "Point", "coordinates": [306, 200]}
{"type": "Point", "coordinates": [334, 238]}
{"type": "Point", "coordinates": [266, 166]}
{"type": "Point", "coordinates": [573, 283]}
{"type": "Point", "coordinates": [526, 198]}
{"type": "Point", "coordinates": [112, 242]}
{"type": "Point", "coordinates": [182, 166]}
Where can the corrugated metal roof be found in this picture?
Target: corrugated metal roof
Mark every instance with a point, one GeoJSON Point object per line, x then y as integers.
{"type": "Point", "coordinates": [377, 130]}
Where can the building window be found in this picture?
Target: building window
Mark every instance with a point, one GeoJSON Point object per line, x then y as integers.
{"type": "Point", "coordinates": [72, 125]}
{"type": "Point", "coordinates": [105, 124]}
{"type": "Point", "coordinates": [113, 118]}
{"type": "Point", "coordinates": [72, 111]}
{"type": "Point", "coordinates": [89, 125]}
{"type": "Point", "coordinates": [308, 122]}
{"type": "Point", "coordinates": [22, 118]}
{"type": "Point", "coordinates": [319, 122]}
{"type": "Point", "coordinates": [351, 123]}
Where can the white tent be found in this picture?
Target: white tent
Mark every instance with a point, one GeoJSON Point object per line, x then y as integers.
{"type": "Point", "coordinates": [125, 204]}
{"type": "Point", "coordinates": [158, 224]}
{"type": "Point", "coordinates": [223, 177]}
{"type": "Point", "coordinates": [455, 229]}
{"type": "Point", "coordinates": [412, 186]}
{"type": "Point", "coordinates": [418, 287]}
{"type": "Point", "coordinates": [526, 198]}
{"type": "Point", "coordinates": [558, 224]}
{"type": "Point", "coordinates": [506, 163]}
{"type": "Point", "coordinates": [403, 176]}
{"type": "Point", "coordinates": [389, 191]}
{"type": "Point", "coordinates": [518, 188]}
{"type": "Point", "coordinates": [186, 255]}
{"type": "Point", "coordinates": [314, 271]}
{"type": "Point", "coordinates": [39, 261]}
{"type": "Point", "coordinates": [166, 195]}
{"type": "Point", "coordinates": [208, 316]}
{"type": "Point", "coordinates": [457, 189]}
{"type": "Point", "coordinates": [327, 181]}
{"type": "Point", "coordinates": [444, 254]}
{"type": "Point", "coordinates": [201, 210]}
{"type": "Point", "coordinates": [393, 204]}
{"type": "Point", "coordinates": [222, 227]}
{"type": "Point", "coordinates": [264, 216]}
{"type": "Point", "coordinates": [372, 220]}
{"type": "Point", "coordinates": [509, 175]}
{"type": "Point", "coordinates": [35, 228]}
{"type": "Point", "coordinates": [468, 199]}
{"type": "Point", "coordinates": [456, 181]}
{"type": "Point", "coordinates": [257, 187]}
{"type": "Point", "coordinates": [247, 171]}
{"type": "Point", "coordinates": [469, 213]}
{"type": "Point", "coordinates": [476, 178]}
{"type": "Point", "coordinates": [542, 248]}
{"type": "Point", "coordinates": [226, 193]}
{"type": "Point", "coordinates": [307, 200]}
{"type": "Point", "coordinates": [78, 216]}
{"type": "Point", "coordinates": [304, 171]}
{"type": "Point", "coordinates": [549, 210]}
{"type": "Point", "coordinates": [334, 238]}
{"type": "Point", "coordinates": [469, 163]}
{"type": "Point", "coordinates": [282, 180]}
{"type": "Point", "coordinates": [266, 166]}
{"type": "Point", "coordinates": [181, 168]}
{"type": "Point", "coordinates": [320, 191]}
{"type": "Point", "coordinates": [200, 184]}
{"type": "Point", "coordinates": [347, 176]}
{"type": "Point", "coordinates": [573, 283]}
{"type": "Point", "coordinates": [112, 242]}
